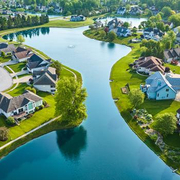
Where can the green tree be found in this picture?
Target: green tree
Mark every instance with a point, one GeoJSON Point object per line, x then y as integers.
{"type": "Point", "coordinates": [111, 36]}
{"type": "Point", "coordinates": [31, 89]}
{"type": "Point", "coordinates": [136, 97]}
{"type": "Point", "coordinates": [58, 66]}
{"type": "Point", "coordinates": [20, 39]}
{"type": "Point", "coordinates": [134, 30]}
{"type": "Point", "coordinates": [126, 24]}
{"type": "Point", "coordinates": [167, 11]}
{"type": "Point", "coordinates": [10, 120]}
{"type": "Point", "coordinates": [69, 100]}
{"type": "Point", "coordinates": [3, 133]}
{"type": "Point", "coordinates": [102, 34]}
{"type": "Point", "coordinates": [165, 124]}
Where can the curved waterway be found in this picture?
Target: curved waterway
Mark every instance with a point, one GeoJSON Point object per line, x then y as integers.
{"type": "Point", "coordinates": [103, 147]}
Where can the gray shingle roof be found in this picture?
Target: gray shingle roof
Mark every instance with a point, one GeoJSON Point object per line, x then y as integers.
{"type": "Point", "coordinates": [9, 104]}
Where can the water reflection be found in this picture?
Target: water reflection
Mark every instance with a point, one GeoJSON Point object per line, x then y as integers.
{"type": "Point", "coordinates": [111, 45]}
{"type": "Point", "coordinates": [28, 33]}
{"type": "Point", "coordinates": [72, 142]}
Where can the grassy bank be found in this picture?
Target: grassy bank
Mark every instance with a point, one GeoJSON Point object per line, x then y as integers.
{"type": "Point", "coordinates": [45, 114]}
{"type": "Point", "coordinates": [120, 76]}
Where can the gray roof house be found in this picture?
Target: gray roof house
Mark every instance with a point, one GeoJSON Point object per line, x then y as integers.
{"type": "Point", "coordinates": [45, 80]}
{"type": "Point", "coordinates": [7, 48]}
{"type": "Point", "coordinates": [78, 18]}
{"type": "Point", "coordinates": [172, 54]}
{"type": "Point", "coordinates": [123, 32]}
{"type": "Point", "coordinates": [19, 106]}
{"type": "Point", "coordinates": [36, 63]}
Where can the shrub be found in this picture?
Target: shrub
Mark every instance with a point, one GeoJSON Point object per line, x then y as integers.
{"type": "Point", "coordinates": [45, 103]}
{"type": "Point", "coordinates": [3, 133]}
{"type": "Point", "coordinates": [37, 108]}
{"type": "Point", "coordinates": [42, 106]}
{"type": "Point", "coordinates": [3, 54]}
{"type": "Point", "coordinates": [29, 116]}
{"type": "Point", "coordinates": [10, 120]}
{"type": "Point", "coordinates": [111, 36]}
{"type": "Point", "coordinates": [31, 89]}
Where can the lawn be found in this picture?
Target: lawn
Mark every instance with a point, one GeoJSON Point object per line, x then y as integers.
{"type": "Point", "coordinates": [120, 76]}
{"type": "Point", "coordinates": [16, 67]}
{"type": "Point", "coordinates": [174, 68]}
{"type": "Point", "coordinates": [4, 59]}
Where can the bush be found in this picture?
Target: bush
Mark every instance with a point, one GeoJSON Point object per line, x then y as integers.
{"type": "Point", "coordinates": [29, 116]}
{"type": "Point", "coordinates": [31, 89]}
{"type": "Point", "coordinates": [37, 108]}
{"type": "Point", "coordinates": [3, 54]}
{"type": "Point", "coordinates": [111, 36]}
{"type": "Point", "coordinates": [45, 103]}
{"type": "Point", "coordinates": [42, 106]}
{"type": "Point", "coordinates": [10, 120]}
{"type": "Point", "coordinates": [3, 133]}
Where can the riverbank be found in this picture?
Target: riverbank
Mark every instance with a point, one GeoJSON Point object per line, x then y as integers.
{"type": "Point", "coordinates": [120, 76]}
{"type": "Point", "coordinates": [40, 117]}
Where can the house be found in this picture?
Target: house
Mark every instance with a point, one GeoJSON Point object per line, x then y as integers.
{"type": "Point", "coordinates": [149, 65]}
{"type": "Point", "coordinates": [172, 54]}
{"type": "Point", "coordinates": [19, 106]}
{"type": "Point", "coordinates": [123, 32]}
{"type": "Point", "coordinates": [36, 63]}
{"type": "Point", "coordinates": [78, 18]}
{"type": "Point", "coordinates": [121, 10]}
{"type": "Point", "coordinates": [114, 23]}
{"type": "Point", "coordinates": [178, 37]}
{"type": "Point", "coordinates": [21, 54]}
{"type": "Point", "coordinates": [45, 80]}
{"type": "Point", "coordinates": [153, 33]}
{"type": "Point", "coordinates": [135, 10]}
{"type": "Point", "coordinates": [7, 48]}
{"type": "Point", "coordinates": [157, 87]}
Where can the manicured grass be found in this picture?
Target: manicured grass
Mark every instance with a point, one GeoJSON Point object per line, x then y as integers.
{"type": "Point", "coordinates": [173, 140]}
{"type": "Point", "coordinates": [19, 90]}
{"type": "Point", "coordinates": [120, 76]}
{"type": "Point", "coordinates": [174, 68]}
{"type": "Point", "coordinates": [3, 60]}
{"type": "Point", "coordinates": [17, 67]}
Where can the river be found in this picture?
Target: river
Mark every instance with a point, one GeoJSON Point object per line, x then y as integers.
{"type": "Point", "coordinates": [103, 147]}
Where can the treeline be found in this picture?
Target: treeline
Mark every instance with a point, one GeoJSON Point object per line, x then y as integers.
{"type": "Point", "coordinates": [22, 21]}
{"type": "Point", "coordinates": [174, 4]}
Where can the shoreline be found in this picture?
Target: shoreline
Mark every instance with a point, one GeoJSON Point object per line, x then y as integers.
{"type": "Point", "coordinates": [57, 124]}
{"type": "Point", "coordinates": [116, 83]}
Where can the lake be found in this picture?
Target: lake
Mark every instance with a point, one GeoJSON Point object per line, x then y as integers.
{"type": "Point", "coordinates": [103, 147]}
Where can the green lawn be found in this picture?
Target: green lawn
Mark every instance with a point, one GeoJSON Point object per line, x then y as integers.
{"type": "Point", "coordinates": [19, 90]}
{"type": "Point", "coordinates": [121, 76]}
{"type": "Point", "coordinates": [174, 68]}
{"type": "Point", "coordinates": [16, 67]}
{"type": "Point", "coordinates": [3, 60]}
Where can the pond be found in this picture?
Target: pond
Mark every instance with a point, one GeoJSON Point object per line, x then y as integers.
{"type": "Point", "coordinates": [103, 147]}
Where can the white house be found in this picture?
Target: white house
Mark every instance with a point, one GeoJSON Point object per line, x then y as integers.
{"type": "Point", "coordinates": [7, 48]}
{"type": "Point", "coordinates": [45, 80]}
{"type": "Point", "coordinates": [153, 33]}
{"type": "Point", "coordinates": [19, 106]}
{"type": "Point", "coordinates": [123, 32]}
{"type": "Point", "coordinates": [121, 10]}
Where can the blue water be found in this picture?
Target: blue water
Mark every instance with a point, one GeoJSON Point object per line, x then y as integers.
{"type": "Point", "coordinates": [103, 147]}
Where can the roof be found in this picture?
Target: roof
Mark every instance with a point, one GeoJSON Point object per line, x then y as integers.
{"type": "Point", "coordinates": [9, 103]}
{"type": "Point", "coordinates": [47, 77]}
{"type": "Point", "coordinates": [9, 48]}
{"type": "Point", "coordinates": [157, 81]}
{"type": "Point", "coordinates": [36, 61]}
{"type": "Point", "coordinates": [3, 45]}
{"type": "Point", "coordinates": [23, 54]}
{"type": "Point", "coordinates": [174, 80]}
{"type": "Point", "coordinates": [178, 111]}
{"type": "Point", "coordinates": [172, 53]}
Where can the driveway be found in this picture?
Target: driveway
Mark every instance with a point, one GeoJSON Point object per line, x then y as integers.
{"type": "Point", "coordinates": [5, 80]}
{"type": "Point", "coordinates": [24, 79]}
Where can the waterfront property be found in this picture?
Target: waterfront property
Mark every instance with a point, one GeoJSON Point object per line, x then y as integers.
{"type": "Point", "coordinates": [123, 32]}
{"type": "Point", "coordinates": [172, 54]}
{"type": "Point", "coordinates": [121, 10]}
{"type": "Point", "coordinates": [19, 106]}
{"type": "Point", "coordinates": [37, 63]}
{"type": "Point", "coordinates": [162, 87]}
{"type": "Point", "coordinates": [149, 65]}
{"type": "Point", "coordinates": [114, 24]}
{"type": "Point", "coordinates": [21, 54]}
{"type": "Point", "coordinates": [45, 80]}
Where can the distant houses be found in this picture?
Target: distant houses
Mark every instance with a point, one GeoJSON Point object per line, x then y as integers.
{"type": "Point", "coordinates": [76, 18]}
{"type": "Point", "coordinates": [153, 33]}
{"type": "Point", "coordinates": [121, 10]}
{"type": "Point", "coordinates": [45, 80]}
{"type": "Point", "coordinates": [135, 10]}
{"type": "Point", "coordinates": [114, 23]}
{"type": "Point", "coordinates": [19, 106]}
{"type": "Point", "coordinates": [149, 65]}
{"type": "Point", "coordinates": [123, 32]}
{"type": "Point", "coordinates": [172, 54]}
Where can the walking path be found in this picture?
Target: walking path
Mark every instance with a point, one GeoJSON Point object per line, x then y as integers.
{"type": "Point", "coordinates": [26, 134]}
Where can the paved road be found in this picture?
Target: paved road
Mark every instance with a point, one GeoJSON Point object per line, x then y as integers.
{"type": "Point", "coordinates": [5, 80]}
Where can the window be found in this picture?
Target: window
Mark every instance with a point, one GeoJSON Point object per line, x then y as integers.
{"type": "Point", "coordinates": [167, 95]}
{"type": "Point", "coordinates": [158, 95]}
{"type": "Point", "coordinates": [167, 90]}
{"type": "Point", "coordinates": [20, 110]}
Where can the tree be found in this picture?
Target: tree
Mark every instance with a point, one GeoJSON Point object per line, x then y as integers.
{"type": "Point", "coordinates": [111, 36]}
{"type": "Point", "coordinates": [165, 124]}
{"type": "Point", "coordinates": [69, 100]}
{"type": "Point", "coordinates": [31, 89]}
{"type": "Point", "coordinates": [126, 24]}
{"type": "Point", "coordinates": [136, 97]}
{"type": "Point", "coordinates": [58, 66]}
{"type": "Point", "coordinates": [3, 133]}
{"type": "Point", "coordinates": [102, 34]}
{"type": "Point", "coordinates": [167, 11]}
{"type": "Point", "coordinates": [3, 54]}
{"type": "Point", "coordinates": [20, 39]}
{"type": "Point", "coordinates": [134, 30]}
{"type": "Point", "coordinates": [10, 120]}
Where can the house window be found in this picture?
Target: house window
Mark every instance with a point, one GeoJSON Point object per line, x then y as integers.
{"type": "Point", "coordinates": [158, 95]}
{"type": "Point", "coordinates": [167, 90]}
{"type": "Point", "coordinates": [20, 110]}
{"type": "Point", "coordinates": [167, 95]}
